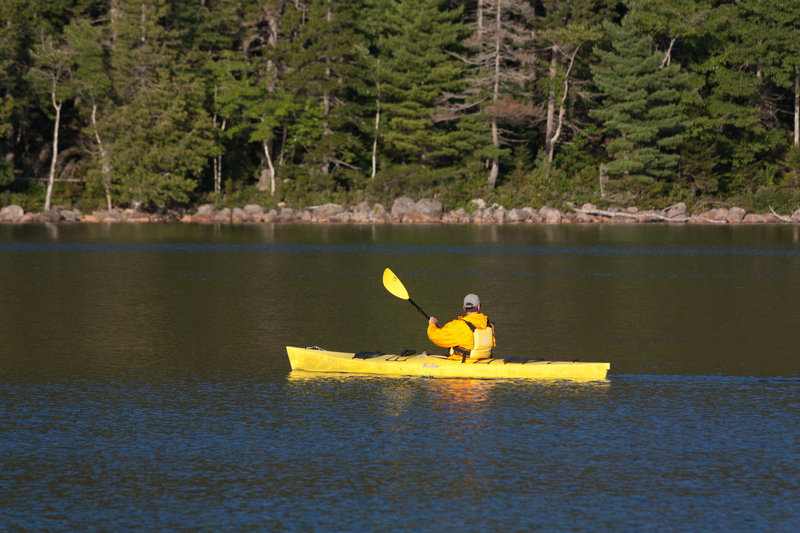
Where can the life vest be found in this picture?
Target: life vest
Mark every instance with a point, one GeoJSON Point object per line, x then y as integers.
{"type": "Point", "coordinates": [482, 342]}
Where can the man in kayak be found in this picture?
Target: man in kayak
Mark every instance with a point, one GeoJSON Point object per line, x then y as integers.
{"type": "Point", "coordinates": [469, 337]}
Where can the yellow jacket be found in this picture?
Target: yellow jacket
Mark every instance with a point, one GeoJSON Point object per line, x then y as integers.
{"type": "Point", "coordinates": [457, 333]}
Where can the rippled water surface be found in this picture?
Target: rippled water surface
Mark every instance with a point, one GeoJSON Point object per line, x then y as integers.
{"type": "Point", "coordinates": [144, 383]}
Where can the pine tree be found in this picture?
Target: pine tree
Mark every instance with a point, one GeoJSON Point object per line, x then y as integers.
{"type": "Point", "coordinates": [10, 101]}
{"type": "Point", "coordinates": [733, 125]}
{"type": "Point", "coordinates": [162, 135]}
{"type": "Point", "coordinates": [211, 36]}
{"type": "Point", "coordinates": [324, 71]}
{"type": "Point", "coordinates": [670, 21]}
{"type": "Point", "coordinates": [639, 111]}
{"type": "Point", "coordinates": [680, 28]}
{"type": "Point", "coordinates": [249, 95]}
{"type": "Point", "coordinates": [418, 74]}
{"type": "Point", "coordinates": [774, 40]}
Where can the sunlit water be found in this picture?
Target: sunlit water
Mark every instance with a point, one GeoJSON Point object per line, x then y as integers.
{"type": "Point", "coordinates": [144, 383]}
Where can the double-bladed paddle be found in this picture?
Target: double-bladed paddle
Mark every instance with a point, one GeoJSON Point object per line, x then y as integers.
{"type": "Point", "coordinates": [395, 286]}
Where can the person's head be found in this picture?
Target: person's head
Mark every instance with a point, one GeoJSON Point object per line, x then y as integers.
{"type": "Point", "coordinates": [472, 304]}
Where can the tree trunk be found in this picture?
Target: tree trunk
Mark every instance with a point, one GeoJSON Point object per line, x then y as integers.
{"type": "Point", "coordinates": [551, 103]}
{"type": "Point", "coordinates": [326, 129]}
{"type": "Point", "coordinates": [9, 154]}
{"type": "Point", "coordinates": [218, 185]}
{"type": "Point", "coordinates": [603, 175]}
{"type": "Point", "coordinates": [562, 109]}
{"type": "Point", "coordinates": [375, 138]}
{"type": "Point", "coordinates": [479, 17]}
{"type": "Point", "coordinates": [57, 105]}
{"type": "Point", "coordinates": [495, 170]}
{"type": "Point", "coordinates": [105, 166]}
{"type": "Point", "coordinates": [218, 162]}
{"type": "Point", "coordinates": [326, 102]}
{"type": "Point", "coordinates": [262, 185]}
{"type": "Point", "coordinates": [113, 15]}
{"type": "Point", "coordinates": [797, 106]}
{"type": "Point", "coordinates": [668, 56]}
{"type": "Point", "coordinates": [284, 135]}
{"type": "Point", "coordinates": [144, 24]}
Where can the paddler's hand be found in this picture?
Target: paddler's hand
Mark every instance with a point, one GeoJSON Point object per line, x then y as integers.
{"type": "Point", "coordinates": [432, 320]}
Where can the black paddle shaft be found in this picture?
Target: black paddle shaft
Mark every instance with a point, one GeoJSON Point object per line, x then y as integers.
{"type": "Point", "coordinates": [419, 309]}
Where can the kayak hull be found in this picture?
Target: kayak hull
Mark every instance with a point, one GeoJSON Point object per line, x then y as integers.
{"type": "Point", "coordinates": [318, 360]}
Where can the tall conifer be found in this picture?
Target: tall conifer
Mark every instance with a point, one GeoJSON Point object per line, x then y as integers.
{"type": "Point", "coordinates": [162, 134]}
{"type": "Point", "coordinates": [324, 73]}
{"type": "Point", "coordinates": [733, 123]}
{"type": "Point", "coordinates": [639, 112]}
{"type": "Point", "coordinates": [419, 73]}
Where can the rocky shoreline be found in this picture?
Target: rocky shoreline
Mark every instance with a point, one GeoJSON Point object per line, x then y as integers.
{"type": "Point", "coordinates": [404, 210]}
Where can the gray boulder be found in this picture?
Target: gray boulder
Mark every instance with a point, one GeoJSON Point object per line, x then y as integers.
{"type": "Point", "coordinates": [71, 215]}
{"type": "Point", "coordinates": [678, 210]}
{"type": "Point", "coordinates": [735, 214]}
{"type": "Point", "coordinates": [479, 203]}
{"type": "Point", "coordinates": [550, 215]}
{"type": "Point", "coordinates": [206, 210]}
{"type": "Point", "coordinates": [519, 215]}
{"type": "Point", "coordinates": [223, 215]}
{"type": "Point", "coordinates": [11, 212]}
{"type": "Point", "coordinates": [238, 214]}
{"type": "Point", "coordinates": [253, 210]}
{"type": "Point", "coordinates": [51, 215]}
{"type": "Point", "coordinates": [327, 211]}
{"type": "Point", "coordinates": [403, 206]}
{"type": "Point", "coordinates": [431, 209]}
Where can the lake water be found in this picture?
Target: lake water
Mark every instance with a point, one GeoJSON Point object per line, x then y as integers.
{"type": "Point", "coordinates": [144, 383]}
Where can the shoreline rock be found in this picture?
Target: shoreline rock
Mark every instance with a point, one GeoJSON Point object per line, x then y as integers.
{"type": "Point", "coordinates": [404, 210]}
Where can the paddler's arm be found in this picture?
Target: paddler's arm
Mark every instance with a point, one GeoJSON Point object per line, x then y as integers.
{"type": "Point", "coordinates": [445, 337]}
{"type": "Point", "coordinates": [433, 328]}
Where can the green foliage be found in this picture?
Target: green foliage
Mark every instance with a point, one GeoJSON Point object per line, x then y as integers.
{"type": "Point", "coordinates": [235, 194]}
{"type": "Point", "coordinates": [6, 172]}
{"type": "Point", "coordinates": [327, 76]}
{"type": "Point", "coordinates": [167, 142]}
{"type": "Point", "coordinates": [417, 71]}
{"type": "Point", "coordinates": [685, 100]}
{"type": "Point", "coordinates": [28, 195]}
{"type": "Point", "coordinates": [792, 168]}
{"type": "Point", "coordinates": [781, 200]}
{"type": "Point", "coordinates": [640, 112]}
{"type": "Point", "coordinates": [735, 134]}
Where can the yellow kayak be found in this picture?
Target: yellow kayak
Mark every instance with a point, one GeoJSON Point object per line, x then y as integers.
{"type": "Point", "coordinates": [318, 360]}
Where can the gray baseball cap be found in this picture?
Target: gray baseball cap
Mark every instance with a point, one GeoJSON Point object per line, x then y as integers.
{"type": "Point", "coordinates": [471, 301]}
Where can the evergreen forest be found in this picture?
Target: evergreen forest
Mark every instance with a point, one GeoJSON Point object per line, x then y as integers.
{"type": "Point", "coordinates": [164, 104]}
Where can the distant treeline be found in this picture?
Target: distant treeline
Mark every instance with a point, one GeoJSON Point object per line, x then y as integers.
{"type": "Point", "coordinates": [167, 103]}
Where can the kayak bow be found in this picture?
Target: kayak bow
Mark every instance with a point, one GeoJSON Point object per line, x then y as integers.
{"type": "Point", "coordinates": [319, 360]}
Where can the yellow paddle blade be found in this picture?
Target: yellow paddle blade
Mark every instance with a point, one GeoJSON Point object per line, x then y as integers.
{"type": "Point", "coordinates": [394, 285]}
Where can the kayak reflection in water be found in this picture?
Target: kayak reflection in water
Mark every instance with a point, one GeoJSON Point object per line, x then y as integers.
{"type": "Point", "coordinates": [469, 337]}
